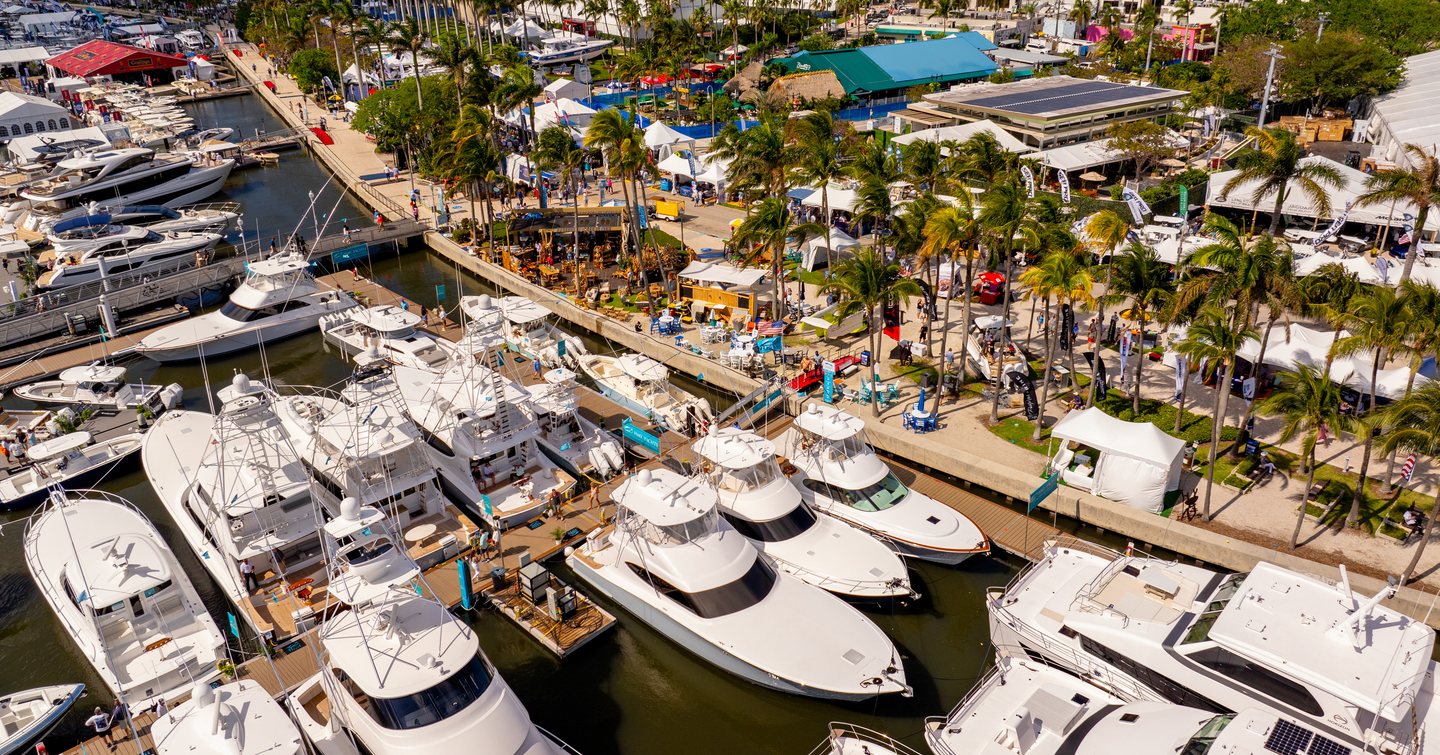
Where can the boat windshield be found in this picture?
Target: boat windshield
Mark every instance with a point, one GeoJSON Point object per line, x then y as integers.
{"type": "Point", "coordinates": [748, 479]}
{"type": "Point", "coordinates": [877, 496]}
{"type": "Point", "coordinates": [799, 519]}
{"type": "Point", "coordinates": [668, 534]}
{"type": "Point", "coordinates": [1203, 739]}
{"type": "Point", "coordinates": [435, 704]}
{"type": "Point", "coordinates": [1200, 630]}
{"type": "Point", "coordinates": [241, 313]}
{"type": "Point", "coordinates": [732, 597]}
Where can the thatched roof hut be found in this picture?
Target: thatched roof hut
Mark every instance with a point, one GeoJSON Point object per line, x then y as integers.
{"type": "Point", "coordinates": [806, 86]}
{"type": "Point", "coordinates": [746, 81]}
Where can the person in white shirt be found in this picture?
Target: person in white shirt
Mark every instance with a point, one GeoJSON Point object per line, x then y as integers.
{"type": "Point", "coordinates": [247, 572]}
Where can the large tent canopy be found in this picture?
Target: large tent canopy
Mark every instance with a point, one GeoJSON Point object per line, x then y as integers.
{"type": "Point", "coordinates": [842, 198]}
{"type": "Point", "coordinates": [814, 252]}
{"type": "Point", "coordinates": [1290, 347]}
{"type": "Point", "coordinates": [1138, 462]}
{"type": "Point", "coordinates": [1298, 203]}
{"type": "Point", "coordinates": [963, 132]}
{"type": "Point", "coordinates": [658, 134]}
{"type": "Point", "coordinates": [723, 274]}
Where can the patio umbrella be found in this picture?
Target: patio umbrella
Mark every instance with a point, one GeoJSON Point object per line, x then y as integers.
{"type": "Point", "coordinates": [920, 405]}
{"type": "Point", "coordinates": [1171, 162]}
{"type": "Point", "coordinates": [1091, 175]}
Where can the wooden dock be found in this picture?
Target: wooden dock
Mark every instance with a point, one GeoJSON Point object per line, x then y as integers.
{"type": "Point", "coordinates": [44, 358]}
{"type": "Point", "coordinates": [559, 637]}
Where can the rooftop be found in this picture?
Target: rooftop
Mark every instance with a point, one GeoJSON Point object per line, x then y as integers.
{"type": "Point", "coordinates": [1052, 97]}
{"type": "Point", "coordinates": [400, 648]}
{"type": "Point", "coordinates": [732, 448]}
{"type": "Point", "coordinates": [958, 57]}
{"type": "Point", "coordinates": [99, 57]}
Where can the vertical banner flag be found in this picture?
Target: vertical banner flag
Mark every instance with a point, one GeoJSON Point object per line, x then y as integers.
{"type": "Point", "coordinates": [1335, 225]}
{"type": "Point", "coordinates": [1138, 208]}
{"type": "Point", "coordinates": [1029, 180]}
{"type": "Point", "coordinates": [1064, 186]}
{"type": "Point", "coordinates": [1184, 202]}
{"type": "Point", "coordinates": [690, 158]}
{"type": "Point", "coordinates": [827, 368]}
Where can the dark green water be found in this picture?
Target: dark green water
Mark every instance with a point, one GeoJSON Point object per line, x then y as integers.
{"type": "Point", "coordinates": [631, 691]}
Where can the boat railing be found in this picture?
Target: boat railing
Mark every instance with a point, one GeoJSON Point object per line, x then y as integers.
{"type": "Point", "coordinates": [1067, 657]}
{"type": "Point", "coordinates": [936, 723]}
{"type": "Point", "coordinates": [558, 742]}
{"type": "Point", "coordinates": [841, 730]}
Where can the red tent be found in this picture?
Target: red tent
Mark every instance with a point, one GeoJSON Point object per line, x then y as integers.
{"type": "Point", "coordinates": [100, 58]}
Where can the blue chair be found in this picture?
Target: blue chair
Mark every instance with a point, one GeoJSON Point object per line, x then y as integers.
{"type": "Point", "coordinates": [907, 419]}
{"type": "Point", "coordinates": [655, 325]}
{"type": "Point", "coordinates": [930, 423]}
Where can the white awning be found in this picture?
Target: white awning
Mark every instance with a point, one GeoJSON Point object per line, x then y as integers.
{"type": "Point", "coordinates": [963, 132]}
{"type": "Point", "coordinates": [841, 198]}
{"type": "Point", "coordinates": [1298, 203]}
{"type": "Point", "coordinates": [23, 55]}
{"type": "Point", "coordinates": [658, 134]}
{"type": "Point", "coordinates": [723, 273]}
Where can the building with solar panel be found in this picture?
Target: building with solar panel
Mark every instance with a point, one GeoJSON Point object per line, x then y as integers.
{"type": "Point", "coordinates": [1045, 112]}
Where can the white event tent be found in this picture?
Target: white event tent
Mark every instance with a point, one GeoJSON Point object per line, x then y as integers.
{"type": "Point", "coordinates": [842, 198]}
{"type": "Point", "coordinates": [1298, 203]}
{"type": "Point", "coordinates": [1137, 463]}
{"type": "Point", "coordinates": [1296, 345]}
{"type": "Point", "coordinates": [963, 132]}
{"type": "Point", "coordinates": [658, 134]}
{"type": "Point", "coordinates": [840, 241]}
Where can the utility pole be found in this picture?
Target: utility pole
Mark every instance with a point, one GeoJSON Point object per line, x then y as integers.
{"type": "Point", "coordinates": [1321, 30]}
{"type": "Point", "coordinates": [1274, 54]}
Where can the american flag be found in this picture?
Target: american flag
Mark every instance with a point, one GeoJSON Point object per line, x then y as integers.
{"type": "Point", "coordinates": [774, 328]}
{"type": "Point", "coordinates": [1409, 468]}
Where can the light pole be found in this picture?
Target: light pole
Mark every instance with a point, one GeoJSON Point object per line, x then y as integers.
{"type": "Point", "coordinates": [1274, 54]}
{"type": "Point", "coordinates": [1321, 30]}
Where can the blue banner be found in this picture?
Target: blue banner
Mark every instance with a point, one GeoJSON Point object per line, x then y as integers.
{"type": "Point", "coordinates": [234, 625]}
{"type": "Point", "coordinates": [440, 292]}
{"type": "Point", "coordinates": [644, 224]}
{"type": "Point", "coordinates": [1046, 489]}
{"type": "Point", "coordinates": [351, 253]}
{"type": "Point", "coordinates": [639, 436]}
{"type": "Point", "coordinates": [768, 344]}
{"type": "Point", "coordinates": [828, 367]}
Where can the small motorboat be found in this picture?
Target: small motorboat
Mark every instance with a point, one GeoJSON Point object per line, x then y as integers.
{"type": "Point", "coordinates": [101, 385]}
{"type": "Point", "coordinates": [72, 460]}
{"type": "Point", "coordinates": [26, 717]}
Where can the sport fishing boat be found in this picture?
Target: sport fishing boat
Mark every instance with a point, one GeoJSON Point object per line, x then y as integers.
{"type": "Point", "coordinates": [123, 253]}
{"type": "Point", "coordinates": [567, 436]}
{"type": "Point", "coordinates": [71, 460]}
{"type": "Point", "coordinates": [642, 385]}
{"type": "Point", "coordinates": [399, 674]}
{"type": "Point", "coordinates": [528, 328]}
{"type": "Point", "coordinates": [673, 562]}
{"type": "Point", "coordinates": [98, 224]}
{"type": "Point", "coordinates": [841, 476]}
{"type": "Point", "coordinates": [279, 299]}
{"type": "Point", "coordinates": [1346, 667]}
{"type": "Point", "coordinates": [555, 50]}
{"type": "Point", "coordinates": [237, 492]}
{"type": "Point", "coordinates": [128, 176]}
{"type": "Point", "coordinates": [121, 596]}
{"type": "Point", "coordinates": [26, 717]}
{"type": "Point", "coordinates": [393, 333]}
{"type": "Point", "coordinates": [239, 718]}
{"type": "Point", "coordinates": [849, 739]}
{"type": "Point", "coordinates": [760, 503]}
{"type": "Point", "coordinates": [101, 385]}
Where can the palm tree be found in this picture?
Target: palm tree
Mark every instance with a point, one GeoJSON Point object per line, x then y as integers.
{"type": "Point", "coordinates": [1413, 425]}
{"type": "Point", "coordinates": [767, 229]}
{"type": "Point", "coordinates": [1144, 280]}
{"type": "Point", "coordinates": [865, 283]}
{"type": "Point", "coordinates": [518, 89]}
{"type": "Point", "coordinates": [1081, 13]}
{"type": "Point", "coordinates": [1422, 330]}
{"type": "Point", "coordinates": [1307, 400]}
{"type": "Point", "coordinates": [1183, 9]}
{"type": "Point", "coordinates": [1277, 163]}
{"type": "Point", "coordinates": [1326, 294]}
{"type": "Point", "coordinates": [409, 36]}
{"type": "Point", "coordinates": [820, 159]}
{"type": "Point", "coordinates": [1419, 186]}
{"type": "Point", "coordinates": [475, 157]}
{"type": "Point", "coordinates": [452, 52]}
{"type": "Point", "coordinates": [954, 232]}
{"type": "Point", "coordinates": [1215, 336]}
{"type": "Point", "coordinates": [555, 148]}
{"type": "Point", "coordinates": [1064, 278]}
{"type": "Point", "coordinates": [369, 32]}
{"type": "Point", "coordinates": [760, 157]}
{"type": "Point", "coordinates": [1147, 19]}
{"type": "Point", "coordinates": [1008, 225]}
{"type": "Point", "coordinates": [1376, 321]}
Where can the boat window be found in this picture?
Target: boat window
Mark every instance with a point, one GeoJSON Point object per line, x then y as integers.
{"type": "Point", "coordinates": [456, 693]}
{"type": "Point", "coordinates": [240, 313]}
{"type": "Point", "coordinates": [1200, 630]}
{"type": "Point", "coordinates": [1161, 684]}
{"type": "Point", "coordinates": [1203, 739]}
{"type": "Point", "coordinates": [871, 498]}
{"type": "Point", "coordinates": [1262, 680]}
{"type": "Point", "coordinates": [799, 519]}
{"type": "Point", "coordinates": [368, 551]}
{"type": "Point", "coordinates": [748, 590]}
{"type": "Point", "coordinates": [749, 478]}
{"type": "Point", "coordinates": [157, 589]}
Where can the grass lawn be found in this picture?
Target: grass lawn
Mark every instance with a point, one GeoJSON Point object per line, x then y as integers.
{"type": "Point", "coordinates": [1017, 430]}
{"type": "Point", "coordinates": [917, 371]}
{"type": "Point", "coordinates": [664, 239]}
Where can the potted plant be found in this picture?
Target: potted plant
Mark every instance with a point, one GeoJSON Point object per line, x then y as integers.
{"type": "Point", "coordinates": [226, 669]}
{"type": "Point", "coordinates": [144, 415]}
{"type": "Point", "coordinates": [559, 535]}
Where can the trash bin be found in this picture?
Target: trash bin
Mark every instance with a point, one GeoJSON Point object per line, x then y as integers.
{"type": "Point", "coordinates": [665, 184]}
{"type": "Point", "coordinates": [865, 358]}
{"type": "Point", "coordinates": [497, 578]}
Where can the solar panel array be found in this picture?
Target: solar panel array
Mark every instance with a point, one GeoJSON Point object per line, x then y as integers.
{"type": "Point", "coordinates": [1056, 98]}
{"type": "Point", "coordinates": [1289, 739]}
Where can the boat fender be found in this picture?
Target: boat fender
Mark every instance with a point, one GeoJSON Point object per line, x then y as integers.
{"type": "Point", "coordinates": [599, 462]}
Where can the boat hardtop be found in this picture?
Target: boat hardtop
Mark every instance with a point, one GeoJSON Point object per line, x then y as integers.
{"type": "Point", "coordinates": [368, 565]}
{"type": "Point", "coordinates": [239, 718]}
{"type": "Point", "coordinates": [386, 319]}
{"type": "Point", "coordinates": [59, 446]}
{"type": "Point", "coordinates": [642, 368]}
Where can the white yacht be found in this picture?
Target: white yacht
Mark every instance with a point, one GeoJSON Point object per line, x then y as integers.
{"type": "Point", "coordinates": [71, 460]}
{"type": "Point", "coordinates": [1354, 671]}
{"type": "Point", "coordinates": [279, 298]}
{"type": "Point", "coordinates": [101, 385]}
{"type": "Point", "coordinates": [98, 224]}
{"type": "Point", "coordinates": [567, 436]}
{"type": "Point", "coordinates": [1027, 706]}
{"type": "Point", "coordinates": [672, 561]}
{"type": "Point", "coordinates": [121, 596]}
{"type": "Point", "coordinates": [239, 718]}
{"type": "Point", "coordinates": [642, 385]}
{"type": "Point", "coordinates": [849, 739]}
{"type": "Point", "coordinates": [840, 475]}
{"type": "Point", "coordinates": [27, 716]}
{"type": "Point", "coordinates": [399, 673]}
{"type": "Point", "coordinates": [123, 253]}
{"type": "Point", "coordinates": [761, 504]}
{"type": "Point", "coordinates": [129, 176]}
{"type": "Point", "coordinates": [391, 331]}
{"type": "Point", "coordinates": [237, 491]}
{"type": "Point", "coordinates": [528, 329]}
{"type": "Point", "coordinates": [481, 436]}
{"type": "Point", "coordinates": [557, 49]}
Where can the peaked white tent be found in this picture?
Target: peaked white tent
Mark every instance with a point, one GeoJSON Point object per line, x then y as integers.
{"type": "Point", "coordinates": [840, 241]}
{"type": "Point", "coordinates": [1136, 462]}
{"type": "Point", "coordinates": [1364, 269]}
{"type": "Point", "coordinates": [842, 198]}
{"type": "Point", "coordinates": [677, 165]}
{"type": "Point", "coordinates": [658, 134]}
{"type": "Point", "coordinates": [964, 131]}
{"type": "Point", "coordinates": [566, 89]}
{"type": "Point", "coordinates": [1297, 203]}
{"type": "Point", "coordinates": [1297, 345]}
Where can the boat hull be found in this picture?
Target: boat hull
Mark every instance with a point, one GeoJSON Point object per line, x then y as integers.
{"type": "Point", "coordinates": [82, 480]}
{"type": "Point", "coordinates": [28, 737]}
{"type": "Point", "coordinates": [232, 343]}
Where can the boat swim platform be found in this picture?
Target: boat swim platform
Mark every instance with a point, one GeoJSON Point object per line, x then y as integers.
{"type": "Point", "coordinates": [41, 359]}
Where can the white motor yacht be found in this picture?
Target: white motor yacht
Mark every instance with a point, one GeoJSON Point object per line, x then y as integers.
{"type": "Point", "coordinates": [567, 436]}
{"type": "Point", "coordinates": [101, 385]}
{"type": "Point", "coordinates": [399, 673]}
{"type": "Point", "coordinates": [121, 596]}
{"type": "Point", "coordinates": [557, 49]}
{"type": "Point", "coordinates": [237, 491]}
{"type": "Point", "coordinates": [99, 224]}
{"type": "Point", "coordinates": [1344, 666]}
{"type": "Point", "coordinates": [1027, 706]}
{"type": "Point", "coordinates": [71, 460]}
{"type": "Point", "coordinates": [761, 504]}
{"type": "Point", "coordinates": [840, 475]}
{"type": "Point", "coordinates": [673, 562]}
{"type": "Point", "coordinates": [849, 739]}
{"type": "Point", "coordinates": [528, 328]}
{"type": "Point", "coordinates": [27, 716]}
{"type": "Point", "coordinates": [481, 436]}
{"type": "Point", "coordinates": [642, 385]}
{"type": "Point", "coordinates": [391, 331]}
{"type": "Point", "coordinates": [279, 298]}
{"type": "Point", "coordinates": [128, 176]}
{"type": "Point", "coordinates": [122, 254]}
{"type": "Point", "coordinates": [239, 718]}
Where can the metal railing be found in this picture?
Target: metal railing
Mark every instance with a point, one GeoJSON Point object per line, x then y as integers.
{"type": "Point", "coordinates": [841, 731]}
{"type": "Point", "coordinates": [848, 586]}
